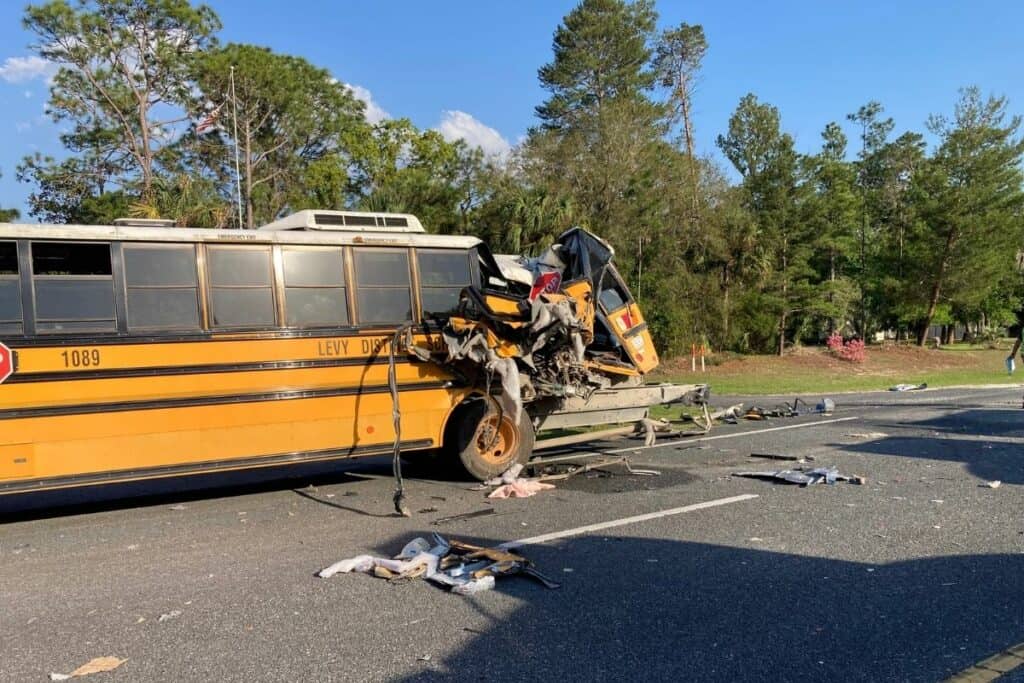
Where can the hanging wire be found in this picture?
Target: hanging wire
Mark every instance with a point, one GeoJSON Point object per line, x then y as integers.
{"type": "Point", "coordinates": [396, 415]}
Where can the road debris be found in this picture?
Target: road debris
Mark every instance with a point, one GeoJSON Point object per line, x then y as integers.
{"type": "Point", "coordinates": [992, 484]}
{"type": "Point", "coordinates": [774, 456]}
{"type": "Point", "coordinates": [908, 387]}
{"type": "Point", "coordinates": [866, 435]}
{"type": "Point", "coordinates": [463, 568]}
{"type": "Point", "coordinates": [464, 516]}
{"type": "Point", "coordinates": [173, 614]}
{"type": "Point", "coordinates": [804, 477]}
{"type": "Point", "coordinates": [511, 485]}
{"type": "Point", "coordinates": [93, 666]}
{"type": "Point", "coordinates": [520, 488]}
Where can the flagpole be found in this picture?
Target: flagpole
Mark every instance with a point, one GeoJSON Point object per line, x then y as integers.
{"type": "Point", "coordinates": [238, 174]}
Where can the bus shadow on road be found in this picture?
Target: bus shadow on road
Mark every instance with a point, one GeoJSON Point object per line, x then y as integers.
{"type": "Point", "coordinates": [174, 490]}
{"type": "Point", "coordinates": [960, 437]}
{"type": "Point", "coordinates": [654, 609]}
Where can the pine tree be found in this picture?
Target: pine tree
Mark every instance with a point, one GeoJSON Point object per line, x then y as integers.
{"type": "Point", "coordinates": [971, 204]}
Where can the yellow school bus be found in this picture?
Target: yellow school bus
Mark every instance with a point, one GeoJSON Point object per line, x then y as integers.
{"type": "Point", "coordinates": [141, 351]}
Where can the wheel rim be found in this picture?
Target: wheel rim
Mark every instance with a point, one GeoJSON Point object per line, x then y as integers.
{"type": "Point", "coordinates": [496, 443]}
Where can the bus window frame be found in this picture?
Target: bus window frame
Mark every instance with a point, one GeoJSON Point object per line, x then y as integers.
{"type": "Point", "coordinates": [27, 263]}
{"type": "Point", "coordinates": [15, 277]}
{"type": "Point", "coordinates": [413, 287]}
{"type": "Point", "coordinates": [470, 256]}
{"type": "Point", "coordinates": [208, 286]}
{"type": "Point", "coordinates": [163, 246]}
{"type": "Point", "coordinates": [283, 286]}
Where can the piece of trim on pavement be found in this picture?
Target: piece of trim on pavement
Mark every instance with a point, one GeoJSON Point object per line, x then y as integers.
{"type": "Point", "coordinates": [734, 435]}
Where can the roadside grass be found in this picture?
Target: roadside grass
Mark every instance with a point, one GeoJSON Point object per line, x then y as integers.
{"type": "Point", "coordinates": [815, 371]}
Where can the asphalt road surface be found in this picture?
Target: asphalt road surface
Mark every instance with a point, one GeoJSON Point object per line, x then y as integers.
{"type": "Point", "coordinates": [914, 576]}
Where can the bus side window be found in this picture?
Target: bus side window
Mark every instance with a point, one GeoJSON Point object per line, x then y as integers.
{"type": "Point", "coordinates": [74, 287]}
{"type": "Point", "coordinates": [10, 290]}
{"type": "Point", "coordinates": [444, 273]}
{"type": "Point", "coordinates": [241, 291]}
{"type": "Point", "coordinates": [613, 294]}
{"type": "Point", "coordinates": [314, 286]}
{"type": "Point", "coordinates": [163, 286]}
{"type": "Point", "coordinates": [383, 285]}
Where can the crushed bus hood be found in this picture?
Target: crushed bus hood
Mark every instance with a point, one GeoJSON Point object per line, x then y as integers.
{"type": "Point", "coordinates": [551, 331]}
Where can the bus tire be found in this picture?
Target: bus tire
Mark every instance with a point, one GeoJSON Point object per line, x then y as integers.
{"type": "Point", "coordinates": [479, 451]}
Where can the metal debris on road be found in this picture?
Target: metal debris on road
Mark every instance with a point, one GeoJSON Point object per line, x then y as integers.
{"type": "Point", "coordinates": [93, 666]}
{"type": "Point", "coordinates": [463, 568]}
{"type": "Point", "coordinates": [804, 477]}
{"type": "Point", "coordinates": [908, 387]}
{"type": "Point", "coordinates": [773, 456]}
{"type": "Point", "coordinates": [562, 467]}
{"type": "Point", "coordinates": [464, 515]}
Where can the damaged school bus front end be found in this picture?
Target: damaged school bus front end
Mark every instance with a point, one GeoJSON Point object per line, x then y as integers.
{"type": "Point", "coordinates": [551, 342]}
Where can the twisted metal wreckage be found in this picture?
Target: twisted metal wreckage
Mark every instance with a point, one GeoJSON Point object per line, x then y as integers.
{"type": "Point", "coordinates": [551, 342]}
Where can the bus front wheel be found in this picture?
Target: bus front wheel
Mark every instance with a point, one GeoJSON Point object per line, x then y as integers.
{"type": "Point", "coordinates": [487, 442]}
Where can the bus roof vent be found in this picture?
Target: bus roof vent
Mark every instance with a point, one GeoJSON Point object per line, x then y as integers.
{"type": "Point", "coordinates": [144, 222]}
{"type": "Point", "coordinates": [347, 221]}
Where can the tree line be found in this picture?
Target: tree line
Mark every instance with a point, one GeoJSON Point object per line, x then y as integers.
{"type": "Point", "coordinates": [885, 232]}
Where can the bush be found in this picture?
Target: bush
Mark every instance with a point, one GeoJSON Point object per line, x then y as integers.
{"type": "Point", "coordinates": [853, 350]}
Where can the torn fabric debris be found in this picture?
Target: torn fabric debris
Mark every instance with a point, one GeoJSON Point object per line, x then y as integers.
{"type": "Point", "coordinates": [520, 488]}
{"type": "Point", "coordinates": [511, 485]}
{"type": "Point", "coordinates": [463, 568]}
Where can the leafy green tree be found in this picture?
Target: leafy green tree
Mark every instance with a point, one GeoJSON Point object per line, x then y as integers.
{"type": "Point", "coordinates": [400, 168]}
{"type": "Point", "coordinates": [768, 162]}
{"type": "Point", "coordinates": [971, 200]}
{"type": "Point", "coordinates": [833, 213]}
{"type": "Point", "coordinates": [291, 117]}
{"type": "Point", "coordinates": [121, 89]}
{"type": "Point", "coordinates": [874, 133]}
{"type": "Point", "coordinates": [9, 215]}
{"type": "Point", "coordinates": [893, 281]}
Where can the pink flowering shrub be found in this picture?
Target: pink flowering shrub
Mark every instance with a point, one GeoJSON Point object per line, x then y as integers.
{"type": "Point", "coordinates": [852, 350]}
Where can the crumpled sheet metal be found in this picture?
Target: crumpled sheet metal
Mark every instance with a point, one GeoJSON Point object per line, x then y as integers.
{"type": "Point", "coordinates": [535, 340]}
{"type": "Point", "coordinates": [818, 475]}
{"type": "Point", "coordinates": [463, 568]}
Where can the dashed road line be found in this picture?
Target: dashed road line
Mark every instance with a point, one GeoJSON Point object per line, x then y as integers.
{"type": "Point", "coordinates": [600, 526]}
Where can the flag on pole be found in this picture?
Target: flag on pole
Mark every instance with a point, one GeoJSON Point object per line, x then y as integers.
{"type": "Point", "coordinates": [209, 122]}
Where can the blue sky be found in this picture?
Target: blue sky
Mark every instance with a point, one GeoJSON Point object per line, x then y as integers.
{"type": "Point", "coordinates": [470, 68]}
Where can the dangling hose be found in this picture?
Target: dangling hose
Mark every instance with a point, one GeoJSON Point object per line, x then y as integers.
{"type": "Point", "coordinates": [396, 415]}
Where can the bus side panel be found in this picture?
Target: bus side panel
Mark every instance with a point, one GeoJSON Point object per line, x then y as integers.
{"type": "Point", "coordinates": [79, 445]}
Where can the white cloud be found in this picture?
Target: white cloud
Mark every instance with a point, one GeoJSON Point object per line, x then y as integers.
{"type": "Point", "coordinates": [25, 69]}
{"type": "Point", "coordinates": [374, 112]}
{"type": "Point", "coordinates": [22, 126]}
{"type": "Point", "coordinates": [458, 125]}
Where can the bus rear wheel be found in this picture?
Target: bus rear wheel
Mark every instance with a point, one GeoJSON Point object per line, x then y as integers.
{"type": "Point", "coordinates": [486, 442]}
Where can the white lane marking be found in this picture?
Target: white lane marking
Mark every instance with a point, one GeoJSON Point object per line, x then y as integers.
{"type": "Point", "coordinates": [544, 538]}
{"type": "Point", "coordinates": [734, 435]}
